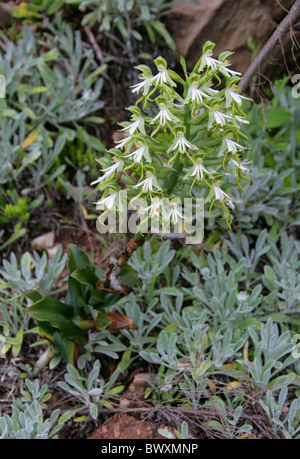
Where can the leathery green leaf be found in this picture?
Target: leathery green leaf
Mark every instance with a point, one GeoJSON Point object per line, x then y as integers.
{"type": "Point", "coordinates": [77, 258]}
{"type": "Point", "coordinates": [57, 313]}
{"type": "Point", "coordinates": [85, 276]}
{"type": "Point", "coordinates": [65, 346]}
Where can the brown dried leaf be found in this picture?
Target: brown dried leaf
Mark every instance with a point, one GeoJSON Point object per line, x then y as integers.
{"type": "Point", "coordinates": [119, 322]}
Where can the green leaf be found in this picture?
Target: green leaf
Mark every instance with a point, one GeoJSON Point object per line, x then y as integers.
{"type": "Point", "coordinates": [168, 290]}
{"type": "Point", "coordinates": [161, 29]}
{"type": "Point", "coordinates": [33, 295]}
{"type": "Point", "coordinates": [76, 295]}
{"type": "Point", "coordinates": [85, 276]}
{"type": "Point", "coordinates": [17, 347]}
{"type": "Point", "coordinates": [183, 64]}
{"type": "Point", "coordinates": [52, 6]}
{"type": "Point", "coordinates": [46, 330]}
{"type": "Point", "coordinates": [128, 276]}
{"type": "Point", "coordinates": [175, 76]}
{"type": "Point", "coordinates": [67, 415]}
{"type": "Point", "coordinates": [57, 313]}
{"type": "Point", "coordinates": [278, 117]}
{"type": "Point", "coordinates": [150, 32]}
{"type": "Point", "coordinates": [18, 232]}
{"type": "Point", "coordinates": [162, 172]}
{"type": "Point", "coordinates": [102, 321]}
{"type": "Point", "coordinates": [77, 258]}
{"type": "Point", "coordinates": [65, 346]}
{"type": "Point", "coordinates": [84, 324]}
{"type": "Point", "coordinates": [93, 411]}
{"type": "Point", "coordinates": [270, 278]}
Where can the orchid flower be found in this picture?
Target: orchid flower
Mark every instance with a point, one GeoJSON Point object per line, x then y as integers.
{"type": "Point", "coordinates": [181, 143]}
{"type": "Point", "coordinates": [108, 202]}
{"type": "Point", "coordinates": [164, 115]}
{"type": "Point", "coordinates": [142, 151]}
{"type": "Point", "coordinates": [148, 183]}
{"type": "Point", "coordinates": [199, 170]}
{"type": "Point", "coordinates": [232, 146]}
{"type": "Point", "coordinates": [109, 171]}
{"type": "Point", "coordinates": [132, 127]}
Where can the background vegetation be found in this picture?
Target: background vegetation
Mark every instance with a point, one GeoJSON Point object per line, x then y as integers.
{"type": "Point", "coordinates": [216, 326]}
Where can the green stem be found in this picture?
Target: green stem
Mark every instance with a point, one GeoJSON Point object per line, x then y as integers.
{"type": "Point", "coordinates": [187, 118]}
{"type": "Point", "coordinates": [172, 180]}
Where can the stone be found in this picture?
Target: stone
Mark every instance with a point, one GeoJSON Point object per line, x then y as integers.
{"type": "Point", "coordinates": [229, 24]}
{"type": "Point", "coordinates": [45, 241]}
{"type": "Point", "coordinates": [6, 11]}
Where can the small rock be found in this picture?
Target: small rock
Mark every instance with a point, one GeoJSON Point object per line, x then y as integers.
{"type": "Point", "coordinates": [52, 251]}
{"type": "Point", "coordinates": [45, 241]}
{"type": "Point", "coordinates": [229, 24]}
{"type": "Point", "coordinates": [6, 11]}
{"type": "Point", "coordinates": [128, 427]}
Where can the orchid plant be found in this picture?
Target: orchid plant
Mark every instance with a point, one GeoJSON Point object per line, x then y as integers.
{"type": "Point", "coordinates": [183, 140]}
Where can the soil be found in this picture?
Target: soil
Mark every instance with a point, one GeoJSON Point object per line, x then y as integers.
{"type": "Point", "coordinates": [121, 426]}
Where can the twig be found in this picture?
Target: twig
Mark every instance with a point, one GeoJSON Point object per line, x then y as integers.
{"type": "Point", "coordinates": [279, 33]}
{"type": "Point", "coordinates": [94, 44]}
{"type": "Point", "coordinates": [96, 48]}
{"type": "Point", "coordinates": [171, 235]}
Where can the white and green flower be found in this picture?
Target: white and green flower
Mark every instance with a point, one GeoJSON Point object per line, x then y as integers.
{"type": "Point", "coordinates": [218, 117]}
{"type": "Point", "coordinates": [231, 145]}
{"type": "Point", "coordinates": [153, 209]}
{"type": "Point", "coordinates": [121, 143]}
{"type": "Point", "coordinates": [108, 202]}
{"type": "Point", "coordinates": [234, 96]}
{"type": "Point", "coordinates": [136, 122]}
{"type": "Point", "coordinates": [145, 84]}
{"type": "Point", "coordinates": [148, 183]}
{"type": "Point", "coordinates": [237, 165]}
{"type": "Point", "coordinates": [195, 94]}
{"type": "Point", "coordinates": [220, 195]}
{"type": "Point", "coordinates": [241, 119]}
{"type": "Point", "coordinates": [142, 151]}
{"type": "Point", "coordinates": [181, 143]}
{"type": "Point", "coordinates": [210, 91]}
{"type": "Point", "coordinates": [199, 170]}
{"type": "Point", "coordinates": [227, 72]}
{"type": "Point", "coordinates": [109, 171]}
{"type": "Point", "coordinates": [162, 77]}
{"type": "Point", "coordinates": [175, 215]}
{"type": "Point", "coordinates": [164, 115]}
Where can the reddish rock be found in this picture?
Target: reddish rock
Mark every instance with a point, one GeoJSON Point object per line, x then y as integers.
{"type": "Point", "coordinates": [122, 426]}
{"type": "Point", "coordinates": [229, 24]}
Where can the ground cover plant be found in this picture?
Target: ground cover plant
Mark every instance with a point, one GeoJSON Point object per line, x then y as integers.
{"type": "Point", "coordinates": [199, 340]}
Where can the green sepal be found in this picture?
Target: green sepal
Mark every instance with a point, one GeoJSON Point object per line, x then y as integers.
{"type": "Point", "coordinates": [183, 64]}
{"type": "Point", "coordinates": [224, 55]}
{"type": "Point", "coordinates": [144, 69]}
{"type": "Point", "coordinates": [175, 77]}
